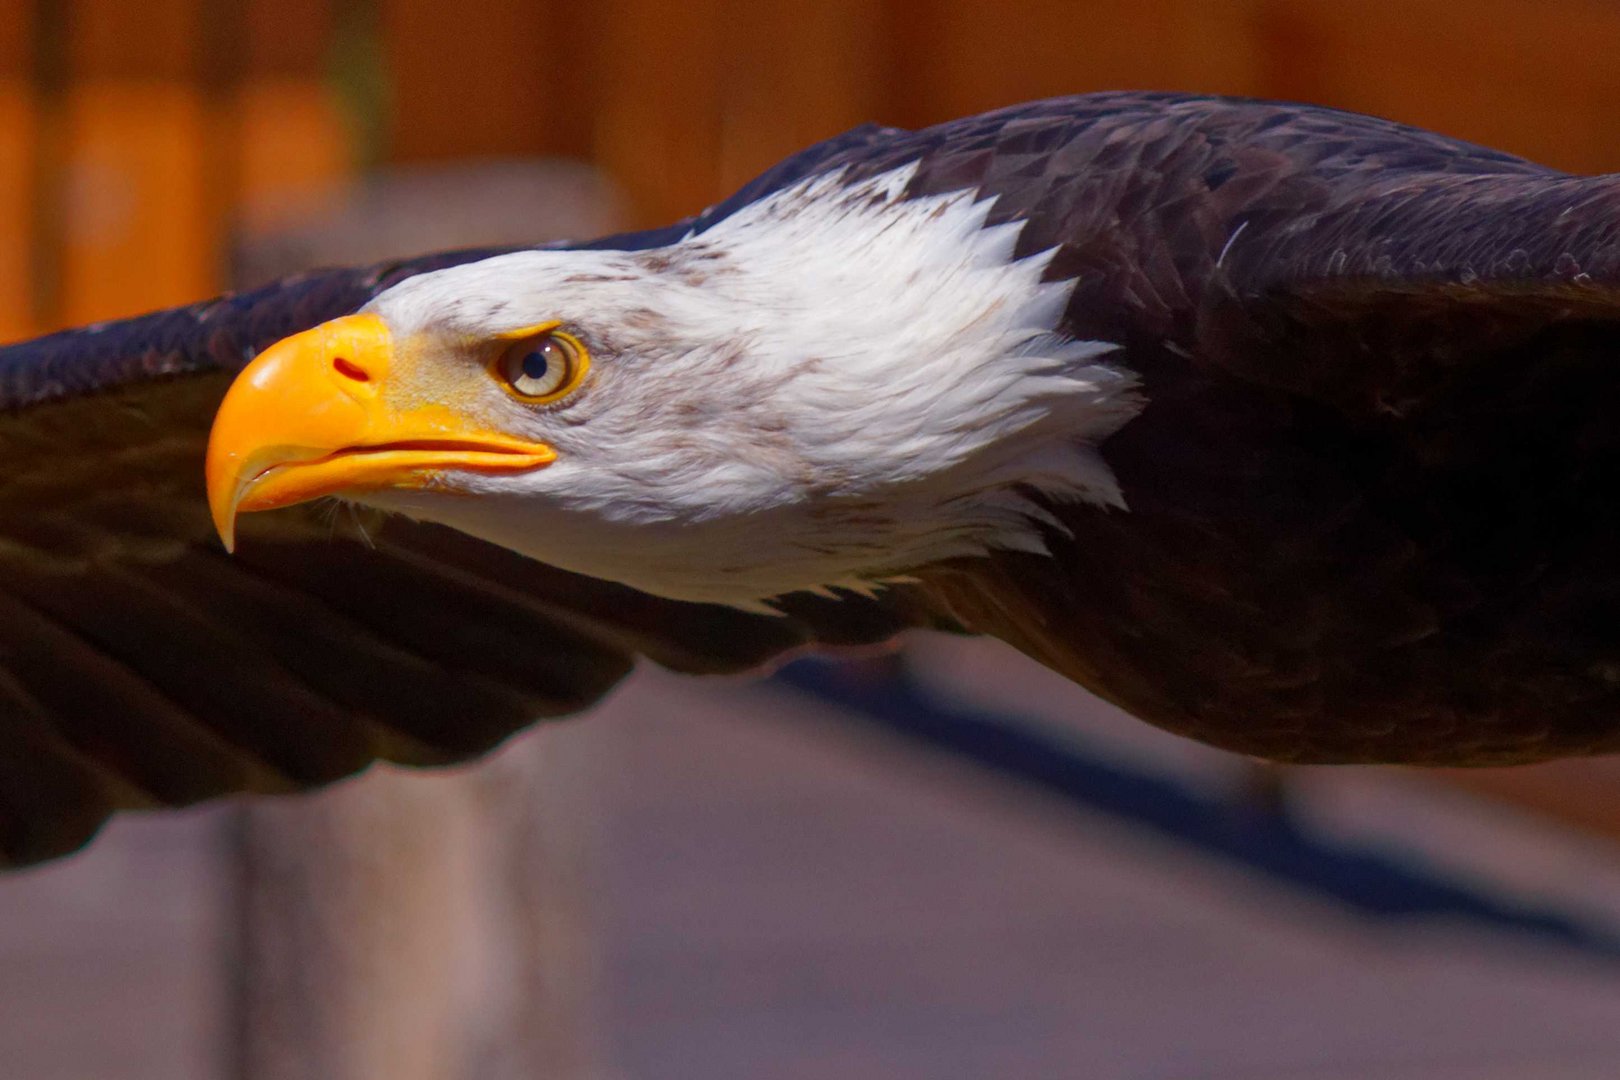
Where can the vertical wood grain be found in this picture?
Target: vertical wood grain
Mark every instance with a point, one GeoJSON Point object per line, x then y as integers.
{"type": "Point", "coordinates": [1538, 80]}
{"type": "Point", "coordinates": [797, 73]}
{"type": "Point", "coordinates": [293, 145]}
{"type": "Point", "coordinates": [661, 73]}
{"type": "Point", "coordinates": [965, 56]}
{"type": "Point", "coordinates": [468, 83]}
{"type": "Point", "coordinates": [139, 229]}
{"type": "Point", "coordinates": [17, 164]}
{"type": "Point", "coordinates": [138, 232]}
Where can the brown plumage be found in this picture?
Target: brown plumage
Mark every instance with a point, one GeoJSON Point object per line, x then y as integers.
{"type": "Point", "coordinates": [1371, 498]}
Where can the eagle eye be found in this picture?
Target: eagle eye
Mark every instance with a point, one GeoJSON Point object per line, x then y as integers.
{"type": "Point", "coordinates": [542, 367]}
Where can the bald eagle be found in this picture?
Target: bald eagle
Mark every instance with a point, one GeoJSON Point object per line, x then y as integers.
{"type": "Point", "coordinates": [1287, 429]}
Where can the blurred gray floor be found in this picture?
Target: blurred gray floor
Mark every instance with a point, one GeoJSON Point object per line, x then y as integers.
{"type": "Point", "coordinates": [781, 896]}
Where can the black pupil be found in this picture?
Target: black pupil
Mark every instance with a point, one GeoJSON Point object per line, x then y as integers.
{"type": "Point", "coordinates": [537, 361]}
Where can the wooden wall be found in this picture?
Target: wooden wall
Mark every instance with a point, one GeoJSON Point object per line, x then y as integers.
{"type": "Point", "coordinates": [135, 136]}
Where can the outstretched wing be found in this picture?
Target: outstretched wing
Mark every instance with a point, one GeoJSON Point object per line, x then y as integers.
{"type": "Point", "coordinates": [141, 666]}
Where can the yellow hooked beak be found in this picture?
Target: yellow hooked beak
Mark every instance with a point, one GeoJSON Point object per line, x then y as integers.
{"type": "Point", "coordinates": [310, 417]}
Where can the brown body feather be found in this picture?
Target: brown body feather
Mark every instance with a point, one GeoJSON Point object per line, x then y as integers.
{"type": "Point", "coordinates": [1372, 496]}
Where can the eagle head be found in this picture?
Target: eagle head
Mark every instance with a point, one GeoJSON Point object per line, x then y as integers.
{"type": "Point", "coordinates": [837, 384]}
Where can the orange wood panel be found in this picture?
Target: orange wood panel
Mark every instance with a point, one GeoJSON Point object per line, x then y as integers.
{"type": "Point", "coordinates": [957, 57]}
{"type": "Point", "coordinates": [16, 37]}
{"type": "Point", "coordinates": [295, 147]}
{"type": "Point", "coordinates": [471, 84]}
{"type": "Point", "coordinates": [17, 126]}
{"type": "Point", "coordinates": [139, 215]}
{"type": "Point", "coordinates": [145, 39]}
{"type": "Point", "coordinates": [16, 229]}
{"type": "Point", "coordinates": [1535, 78]}
{"type": "Point", "coordinates": [661, 72]}
{"type": "Point", "coordinates": [286, 37]}
{"type": "Point", "coordinates": [138, 231]}
{"type": "Point", "coordinates": [797, 73]}
{"type": "Point", "coordinates": [294, 143]}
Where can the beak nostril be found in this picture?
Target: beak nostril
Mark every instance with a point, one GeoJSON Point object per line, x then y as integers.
{"type": "Point", "coordinates": [349, 369]}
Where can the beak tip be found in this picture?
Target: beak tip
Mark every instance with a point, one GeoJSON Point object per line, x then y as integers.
{"type": "Point", "coordinates": [227, 535]}
{"type": "Point", "coordinates": [224, 514]}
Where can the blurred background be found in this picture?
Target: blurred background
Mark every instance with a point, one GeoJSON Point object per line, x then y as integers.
{"type": "Point", "coordinates": [946, 863]}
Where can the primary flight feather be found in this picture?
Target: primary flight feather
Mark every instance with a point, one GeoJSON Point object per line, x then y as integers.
{"type": "Point", "coordinates": [1284, 428]}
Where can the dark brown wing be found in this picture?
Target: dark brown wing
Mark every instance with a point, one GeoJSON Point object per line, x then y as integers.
{"type": "Point", "coordinates": [141, 666]}
{"type": "Point", "coordinates": [1373, 509]}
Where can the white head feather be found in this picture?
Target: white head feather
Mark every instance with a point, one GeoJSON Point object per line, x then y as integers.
{"type": "Point", "coordinates": [831, 387]}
